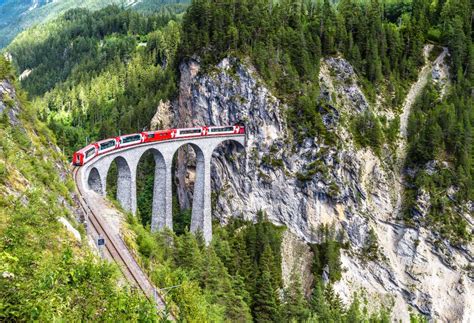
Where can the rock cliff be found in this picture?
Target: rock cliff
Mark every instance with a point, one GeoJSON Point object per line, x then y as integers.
{"type": "Point", "coordinates": [307, 185]}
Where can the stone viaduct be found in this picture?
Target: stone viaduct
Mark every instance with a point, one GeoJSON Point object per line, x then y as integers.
{"type": "Point", "coordinates": [94, 177]}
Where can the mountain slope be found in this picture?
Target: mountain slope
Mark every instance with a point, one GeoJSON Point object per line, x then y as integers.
{"type": "Point", "coordinates": [47, 271]}
{"type": "Point", "coordinates": [16, 16]}
{"type": "Point", "coordinates": [354, 191]}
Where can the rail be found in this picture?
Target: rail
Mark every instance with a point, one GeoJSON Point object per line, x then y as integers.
{"type": "Point", "coordinates": [130, 273]}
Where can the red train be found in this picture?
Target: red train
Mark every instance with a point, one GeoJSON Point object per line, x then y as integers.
{"type": "Point", "coordinates": [104, 146]}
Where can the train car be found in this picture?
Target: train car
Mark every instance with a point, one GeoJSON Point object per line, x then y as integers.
{"type": "Point", "coordinates": [159, 135]}
{"type": "Point", "coordinates": [226, 130]}
{"type": "Point", "coordinates": [84, 155]}
{"type": "Point", "coordinates": [239, 129]}
{"type": "Point", "coordinates": [104, 146]}
{"type": "Point", "coordinates": [189, 132]}
{"type": "Point", "coordinates": [107, 145]}
{"type": "Point", "coordinates": [130, 140]}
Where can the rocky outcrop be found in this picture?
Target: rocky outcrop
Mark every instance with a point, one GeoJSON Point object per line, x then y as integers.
{"type": "Point", "coordinates": [297, 259]}
{"type": "Point", "coordinates": [9, 103]}
{"type": "Point", "coordinates": [311, 184]}
{"type": "Point", "coordinates": [163, 116]}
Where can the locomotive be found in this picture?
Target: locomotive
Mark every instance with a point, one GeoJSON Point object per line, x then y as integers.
{"type": "Point", "coordinates": [93, 150]}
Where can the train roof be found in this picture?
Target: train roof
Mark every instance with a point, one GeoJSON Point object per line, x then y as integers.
{"type": "Point", "coordinates": [86, 148]}
{"type": "Point", "coordinates": [131, 134]}
{"type": "Point", "coordinates": [190, 128]}
{"type": "Point", "coordinates": [157, 131]}
{"type": "Point", "coordinates": [105, 140]}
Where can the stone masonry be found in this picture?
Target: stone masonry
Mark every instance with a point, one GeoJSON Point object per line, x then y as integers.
{"type": "Point", "coordinates": [95, 175]}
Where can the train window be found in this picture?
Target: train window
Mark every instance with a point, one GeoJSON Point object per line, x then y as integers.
{"type": "Point", "coordinates": [222, 129]}
{"type": "Point", "coordinates": [151, 135]}
{"type": "Point", "coordinates": [90, 152]}
{"type": "Point", "coordinates": [130, 139]}
{"type": "Point", "coordinates": [189, 131]}
{"type": "Point", "coordinates": [107, 144]}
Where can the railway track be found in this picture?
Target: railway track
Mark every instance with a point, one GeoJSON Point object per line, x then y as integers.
{"type": "Point", "coordinates": [119, 253]}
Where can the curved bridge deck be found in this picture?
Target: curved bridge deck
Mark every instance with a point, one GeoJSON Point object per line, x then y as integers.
{"type": "Point", "coordinates": [94, 177]}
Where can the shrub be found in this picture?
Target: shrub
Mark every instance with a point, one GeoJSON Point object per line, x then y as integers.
{"type": "Point", "coordinates": [367, 131]}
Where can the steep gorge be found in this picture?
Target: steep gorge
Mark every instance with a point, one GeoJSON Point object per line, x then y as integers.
{"type": "Point", "coordinates": [312, 184]}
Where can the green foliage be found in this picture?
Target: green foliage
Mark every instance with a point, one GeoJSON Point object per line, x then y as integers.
{"type": "Point", "coordinates": [17, 16]}
{"type": "Point", "coordinates": [417, 318]}
{"type": "Point", "coordinates": [145, 185]}
{"type": "Point", "coordinates": [93, 77]}
{"type": "Point", "coordinates": [326, 306]}
{"type": "Point", "coordinates": [367, 131]}
{"type": "Point", "coordinates": [94, 72]}
{"type": "Point", "coordinates": [111, 180]}
{"type": "Point", "coordinates": [219, 281]}
{"type": "Point", "coordinates": [295, 305]}
{"type": "Point", "coordinates": [46, 275]}
{"type": "Point", "coordinates": [7, 100]}
{"type": "Point", "coordinates": [271, 160]}
{"type": "Point", "coordinates": [392, 131]}
{"type": "Point", "coordinates": [165, 7]}
{"type": "Point", "coordinates": [237, 277]}
{"type": "Point", "coordinates": [181, 221]}
{"type": "Point", "coordinates": [370, 250]}
{"type": "Point", "coordinates": [442, 131]}
{"type": "Point", "coordinates": [313, 168]}
{"type": "Point", "coordinates": [6, 70]}
{"type": "Point", "coordinates": [265, 307]}
{"type": "Point", "coordinates": [455, 19]}
{"type": "Point", "coordinates": [285, 40]}
{"type": "Point", "coordinates": [327, 253]}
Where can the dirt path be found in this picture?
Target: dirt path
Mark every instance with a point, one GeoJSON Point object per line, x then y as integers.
{"type": "Point", "coordinates": [416, 89]}
{"type": "Point", "coordinates": [414, 92]}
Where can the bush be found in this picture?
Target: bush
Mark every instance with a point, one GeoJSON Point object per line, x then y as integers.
{"type": "Point", "coordinates": [327, 253]}
{"type": "Point", "coordinates": [6, 70]}
{"type": "Point", "coordinates": [434, 34]}
{"type": "Point", "coordinates": [370, 251]}
{"type": "Point", "coordinates": [367, 131]}
{"type": "Point", "coordinates": [3, 172]}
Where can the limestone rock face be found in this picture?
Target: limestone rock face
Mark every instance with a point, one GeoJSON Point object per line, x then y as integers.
{"type": "Point", "coordinates": [297, 259]}
{"type": "Point", "coordinates": [351, 188]}
{"type": "Point", "coordinates": [162, 117]}
{"type": "Point", "coordinates": [9, 103]}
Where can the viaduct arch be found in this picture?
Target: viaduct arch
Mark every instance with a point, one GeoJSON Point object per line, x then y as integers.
{"type": "Point", "coordinates": [95, 174]}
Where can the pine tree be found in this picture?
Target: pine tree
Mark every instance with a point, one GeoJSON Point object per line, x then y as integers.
{"type": "Point", "coordinates": [188, 254]}
{"type": "Point", "coordinates": [265, 308]}
{"type": "Point", "coordinates": [334, 302]}
{"type": "Point", "coordinates": [371, 246]}
{"type": "Point", "coordinates": [295, 306]}
{"type": "Point", "coordinates": [354, 314]}
{"type": "Point", "coordinates": [241, 289]}
{"type": "Point", "coordinates": [267, 262]}
{"type": "Point", "coordinates": [318, 303]}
